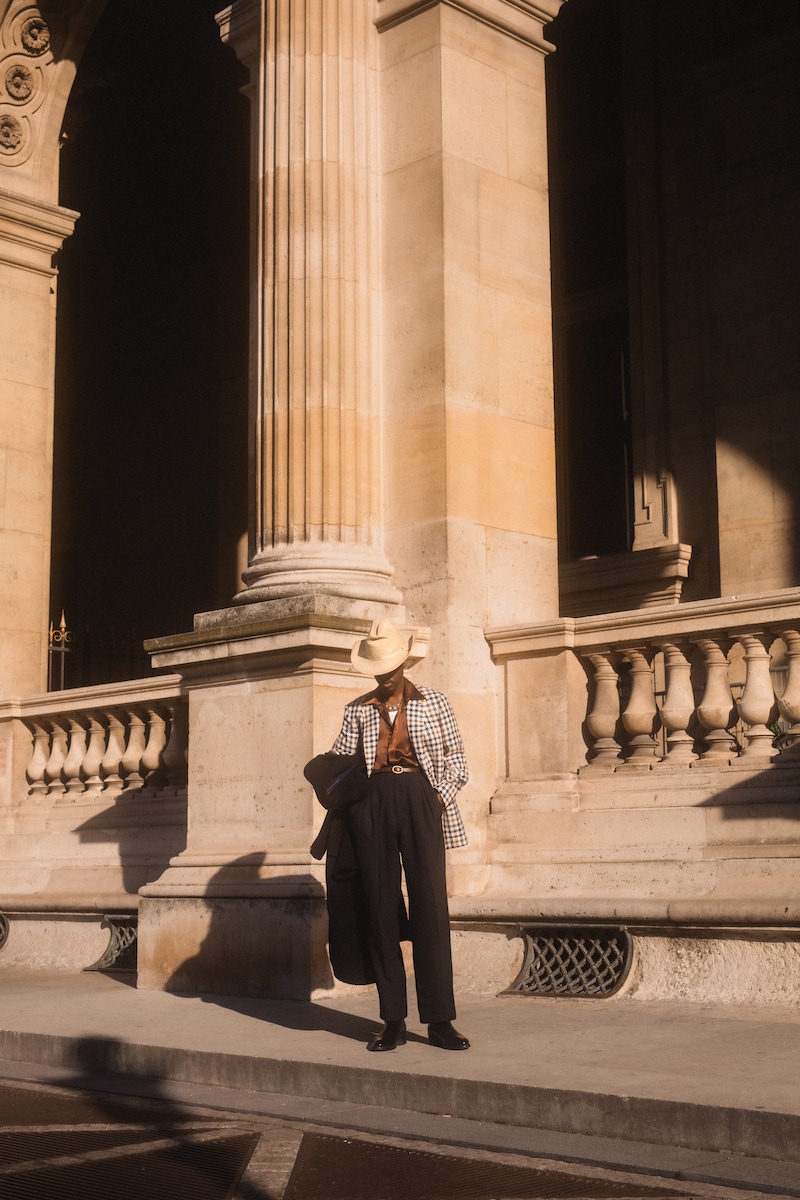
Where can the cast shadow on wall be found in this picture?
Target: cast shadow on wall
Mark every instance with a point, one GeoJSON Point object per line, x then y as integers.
{"type": "Point", "coordinates": [265, 936]}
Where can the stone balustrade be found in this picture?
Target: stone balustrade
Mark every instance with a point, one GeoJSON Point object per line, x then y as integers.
{"type": "Point", "coordinates": [700, 684]}
{"type": "Point", "coordinates": [106, 742]}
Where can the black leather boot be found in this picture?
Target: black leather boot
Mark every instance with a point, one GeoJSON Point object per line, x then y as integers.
{"type": "Point", "coordinates": [390, 1037]}
{"type": "Point", "coordinates": [443, 1035]}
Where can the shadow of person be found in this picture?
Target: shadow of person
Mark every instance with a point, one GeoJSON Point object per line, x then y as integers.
{"type": "Point", "coordinates": [134, 1128]}
{"type": "Point", "coordinates": [265, 935]}
{"type": "Point", "coordinates": [124, 821]}
{"type": "Point", "coordinates": [265, 952]}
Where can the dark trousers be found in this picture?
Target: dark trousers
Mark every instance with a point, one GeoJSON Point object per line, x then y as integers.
{"type": "Point", "coordinates": [400, 818]}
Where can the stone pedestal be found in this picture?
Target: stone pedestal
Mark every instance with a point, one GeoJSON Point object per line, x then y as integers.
{"type": "Point", "coordinates": [234, 945]}
{"type": "Point", "coordinates": [241, 910]}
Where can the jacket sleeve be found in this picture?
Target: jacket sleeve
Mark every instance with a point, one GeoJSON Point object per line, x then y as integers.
{"type": "Point", "coordinates": [347, 741]}
{"type": "Point", "coordinates": [455, 773]}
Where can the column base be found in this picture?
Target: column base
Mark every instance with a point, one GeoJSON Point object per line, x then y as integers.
{"type": "Point", "coordinates": [354, 572]}
{"type": "Point", "coordinates": [288, 609]}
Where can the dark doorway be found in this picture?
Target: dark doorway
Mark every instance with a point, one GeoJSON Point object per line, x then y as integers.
{"type": "Point", "coordinates": [150, 455]}
{"type": "Point", "coordinates": [586, 144]}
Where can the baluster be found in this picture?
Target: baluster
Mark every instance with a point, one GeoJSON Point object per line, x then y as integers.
{"type": "Point", "coordinates": [112, 759]}
{"type": "Point", "coordinates": [716, 711]}
{"type": "Point", "coordinates": [53, 771]}
{"type": "Point", "coordinates": [40, 754]}
{"type": "Point", "coordinates": [789, 702]}
{"type": "Point", "coordinates": [640, 712]}
{"type": "Point", "coordinates": [76, 755]}
{"type": "Point", "coordinates": [93, 759]}
{"type": "Point", "coordinates": [601, 721]}
{"type": "Point", "coordinates": [152, 759]}
{"type": "Point", "coordinates": [176, 749]}
{"type": "Point", "coordinates": [678, 704]}
{"type": "Point", "coordinates": [757, 701]}
{"type": "Point", "coordinates": [130, 764]}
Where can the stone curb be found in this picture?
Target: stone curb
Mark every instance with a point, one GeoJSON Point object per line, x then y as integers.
{"type": "Point", "coordinates": [737, 1131]}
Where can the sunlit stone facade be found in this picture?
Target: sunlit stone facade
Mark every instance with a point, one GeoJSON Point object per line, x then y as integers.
{"type": "Point", "coordinates": [480, 315]}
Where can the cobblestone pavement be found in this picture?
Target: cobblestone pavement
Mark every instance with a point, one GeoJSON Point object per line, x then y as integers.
{"type": "Point", "coordinates": [61, 1143]}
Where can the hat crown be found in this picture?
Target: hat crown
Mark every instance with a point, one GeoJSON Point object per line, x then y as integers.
{"type": "Point", "coordinates": [384, 640]}
{"type": "Point", "coordinates": [383, 650]}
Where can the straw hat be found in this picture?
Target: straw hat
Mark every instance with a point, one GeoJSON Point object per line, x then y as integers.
{"type": "Point", "coordinates": [383, 651]}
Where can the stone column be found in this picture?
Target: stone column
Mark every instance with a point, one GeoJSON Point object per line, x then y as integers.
{"type": "Point", "coordinates": [242, 908]}
{"type": "Point", "coordinates": [315, 467]}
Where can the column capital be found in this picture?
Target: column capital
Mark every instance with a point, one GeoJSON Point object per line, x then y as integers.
{"type": "Point", "coordinates": [240, 27]}
{"type": "Point", "coordinates": [31, 231]}
{"type": "Point", "coordinates": [520, 19]}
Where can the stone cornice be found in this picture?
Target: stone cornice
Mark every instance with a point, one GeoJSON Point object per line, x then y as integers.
{"type": "Point", "coordinates": [234, 649]}
{"type": "Point", "coordinates": [240, 27]}
{"type": "Point", "coordinates": [103, 695]}
{"type": "Point", "coordinates": [31, 231]}
{"type": "Point", "coordinates": [520, 19]}
{"type": "Point", "coordinates": [764, 610]}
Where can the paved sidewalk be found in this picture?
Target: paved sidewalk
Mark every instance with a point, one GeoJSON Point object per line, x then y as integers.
{"type": "Point", "coordinates": [683, 1087]}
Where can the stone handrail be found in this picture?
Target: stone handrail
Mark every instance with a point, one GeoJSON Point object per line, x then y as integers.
{"type": "Point", "coordinates": [709, 682]}
{"type": "Point", "coordinates": [110, 741]}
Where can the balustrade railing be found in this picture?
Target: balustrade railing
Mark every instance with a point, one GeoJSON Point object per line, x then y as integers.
{"type": "Point", "coordinates": [702, 684]}
{"type": "Point", "coordinates": [108, 742]}
{"type": "Point", "coordinates": [707, 699]}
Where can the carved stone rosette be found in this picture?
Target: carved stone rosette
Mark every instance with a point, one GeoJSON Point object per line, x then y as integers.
{"type": "Point", "coordinates": [25, 60]}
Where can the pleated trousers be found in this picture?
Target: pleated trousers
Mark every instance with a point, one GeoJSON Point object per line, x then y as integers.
{"type": "Point", "coordinates": [396, 829]}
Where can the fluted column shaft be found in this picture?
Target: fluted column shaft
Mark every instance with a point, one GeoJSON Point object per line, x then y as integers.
{"type": "Point", "coordinates": [313, 393]}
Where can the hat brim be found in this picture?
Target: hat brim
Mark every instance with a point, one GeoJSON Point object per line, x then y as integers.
{"type": "Point", "coordinates": [367, 665]}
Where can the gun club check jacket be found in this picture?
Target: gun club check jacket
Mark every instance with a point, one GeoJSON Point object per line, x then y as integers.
{"type": "Point", "coordinates": [434, 735]}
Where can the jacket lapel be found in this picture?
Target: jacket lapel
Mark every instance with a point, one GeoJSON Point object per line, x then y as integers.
{"type": "Point", "coordinates": [415, 717]}
{"type": "Point", "coordinates": [369, 732]}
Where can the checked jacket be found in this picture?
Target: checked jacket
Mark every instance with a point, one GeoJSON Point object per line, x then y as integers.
{"type": "Point", "coordinates": [434, 735]}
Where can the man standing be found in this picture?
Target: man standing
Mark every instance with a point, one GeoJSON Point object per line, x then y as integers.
{"type": "Point", "coordinates": [415, 763]}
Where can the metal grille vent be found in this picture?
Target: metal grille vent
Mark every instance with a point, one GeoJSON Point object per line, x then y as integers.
{"type": "Point", "coordinates": [330, 1168]}
{"type": "Point", "coordinates": [120, 954]}
{"type": "Point", "coordinates": [585, 962]}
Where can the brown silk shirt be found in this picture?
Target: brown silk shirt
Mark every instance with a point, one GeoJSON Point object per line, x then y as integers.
{"type": "Point", "coordinates": [394, 744]}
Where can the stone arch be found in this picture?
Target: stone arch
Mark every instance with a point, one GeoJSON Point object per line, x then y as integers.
{"type": "Point", "coordinates": [40, 48]}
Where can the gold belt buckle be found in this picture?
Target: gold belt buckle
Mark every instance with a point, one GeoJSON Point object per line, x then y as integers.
{"type": "Point", "coordinates": [397, 770]}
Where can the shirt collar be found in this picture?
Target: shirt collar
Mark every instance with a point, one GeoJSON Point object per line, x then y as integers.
{"type": "Point", "coordinates": [409, 693]}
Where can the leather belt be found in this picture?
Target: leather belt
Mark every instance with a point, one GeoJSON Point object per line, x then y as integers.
{"type": "Point", "coordinates": [397, 770]}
